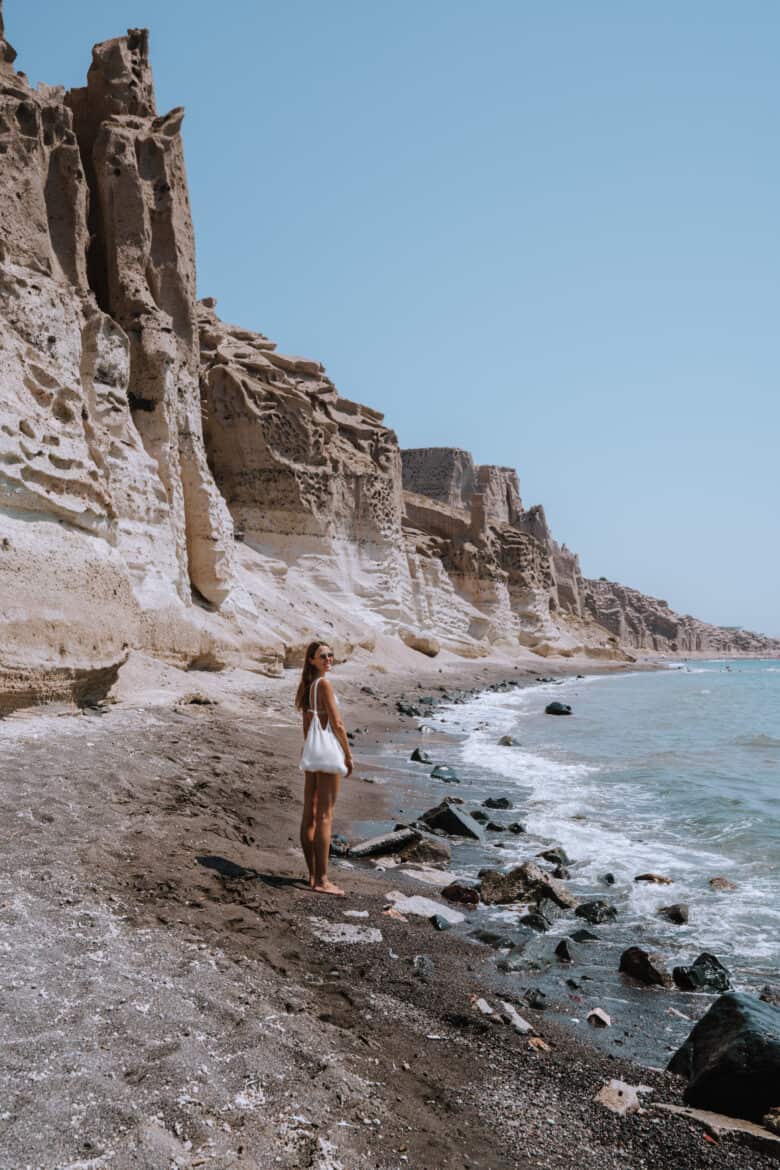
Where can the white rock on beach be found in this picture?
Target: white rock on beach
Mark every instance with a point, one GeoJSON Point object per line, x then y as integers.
{"type": "Point", "coordinates": [344, 932]}
{"type": "Point", "coordinates": [423, 907]}
{"type": "Point", "coordinates": [619, 1097]}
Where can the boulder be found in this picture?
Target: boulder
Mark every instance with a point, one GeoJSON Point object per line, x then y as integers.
{"type": "Point", "coordinates": [427, 849]}
{"type": "Point", "coordinates": [524, 883]}
{"type": "Point", "coordinates": [556, 856]}
{"type": "Point", "coordinates": [731, 1059]}
{"type": "Point", "coordinates": [557, 708]}
{"type": "Point", "coordinates": [480, 816]}
{"type": "Point", "coordinates": [596, 912]}
{"type": "Point", "coordinates": [499, 802]}
{"type": "Point", "coordinates": [451, 820]}
{"type": "Point", "coordinates": [656, 878]}
{"type": "Point", "coordinates": [515, 827]}
{"type": "Point", "coordinates": [425, 644]}
{"type": "Point", "coordinates": [448, 775]}
{"type": "Point", "coordinates": [705, 973]}
{"type": "Point", "coordinates": [506, 741]}
{"type": "Point", "coordinates": [535, 921]}
{"type": "Point", "coordinates": [584, 936]}
{"type": "Point", "coordinates": [676, 913]}
{"type": "Point", "coordinates": [608, 879]}
{"type": "Point", "coordinates": [645, 967]}
{"type": "Point", "coordinates": [494, 827]}
{"type": "Point", "coordinates": [420, 757]}
{"type": "Point", "coordinates": [460, 892]}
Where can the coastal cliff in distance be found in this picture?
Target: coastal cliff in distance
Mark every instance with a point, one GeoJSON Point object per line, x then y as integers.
{"type": "Point", "coordinates": [172, 484]}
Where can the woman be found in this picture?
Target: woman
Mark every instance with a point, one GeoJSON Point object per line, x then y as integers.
{"type": "Point", "coordinates": [316, 700]}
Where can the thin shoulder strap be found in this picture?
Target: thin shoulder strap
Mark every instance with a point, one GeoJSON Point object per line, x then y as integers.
{"type": "Point", "coordinates": [313, 695]}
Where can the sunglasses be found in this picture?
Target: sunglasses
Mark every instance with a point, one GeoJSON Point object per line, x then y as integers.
{"type": "Point", "coordinates": [325, 657]}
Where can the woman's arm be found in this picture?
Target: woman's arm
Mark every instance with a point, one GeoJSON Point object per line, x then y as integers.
{"type": "Point", "coordinates": [335, 722]}
{"type": "Point", "coordinates": [306, 722]}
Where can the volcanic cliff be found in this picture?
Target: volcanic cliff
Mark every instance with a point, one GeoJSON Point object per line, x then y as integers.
{"type": "Point", "coordinates": [173, 484]}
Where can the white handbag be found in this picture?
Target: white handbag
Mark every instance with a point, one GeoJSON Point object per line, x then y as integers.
{"type": "Point", "coordinates": [322, 752]}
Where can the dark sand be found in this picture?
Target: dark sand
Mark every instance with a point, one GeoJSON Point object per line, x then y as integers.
{"type": "Point", "coordinates": [156, 1012]}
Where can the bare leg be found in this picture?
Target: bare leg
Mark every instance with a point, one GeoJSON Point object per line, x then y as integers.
{"type": "Point", "coordinates": [308, 821]}
{"type": "Point", "coordinates": [327, 791]}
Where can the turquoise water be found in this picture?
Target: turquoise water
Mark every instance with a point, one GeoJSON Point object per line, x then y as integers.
{"type": "Point", "coordinates": [674, 771]}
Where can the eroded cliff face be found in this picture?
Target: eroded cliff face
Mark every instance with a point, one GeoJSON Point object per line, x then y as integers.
{"type": "Point", "coordinates": [172, 483]}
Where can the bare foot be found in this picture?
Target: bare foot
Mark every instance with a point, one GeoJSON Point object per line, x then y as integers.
{"type": "Point", "coordinates": [310, 881]}
{"type": "Point", "coordinates": [327, 887]}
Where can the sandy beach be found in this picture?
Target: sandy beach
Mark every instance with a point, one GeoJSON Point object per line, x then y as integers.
{"type": "Point", "coordinates": [174, 995]}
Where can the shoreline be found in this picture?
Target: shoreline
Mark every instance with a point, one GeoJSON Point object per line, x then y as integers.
{"type": "Point", "coordinates": [197, 1009]}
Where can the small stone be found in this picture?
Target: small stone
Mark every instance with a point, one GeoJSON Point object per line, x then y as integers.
{"type": "Point", "coordinates": [515, 827]}
{"type": "Point", "coordinates": [583, 936]}
{"type": "Point", "coordinates": [439, 923]}
{"type": "Point", "coordinates": [423, 967]}
{"type": "Point", "coordinates": [461, 893]}
{"type": "Point", "coordinates": [722, 883]}
{"type": "Point", "coordinates": [420, 757]}
{"type": "Point", "coordinates": [536, 999]}
{"type": "Point", "coordinates": [557, 708]}
{"type": "Point", "coordinates": [598, 1018]}
{"type": "Point", "coordinates": [448, 775]}
{"type": "Point", "coordinates": [506, 741]}
{"type": "Point", "coordinates": [657, 878]}
{"type": "Point", "coordinates": [564, 951]}
{"type": "Point", "coordinates": [645, 967]}
{"type": "Point", "coordinates": [497, 802]}
{"type": "Point", "coordinates": [562, 873]}
{"type": "Point", "coordinates": [510, 1014]}
{"type": "Point", "coordinates": [494, 827]}
{"type": "Point", "coordinates": [480, 816]}
{"type": "Point", "coordinates": [608, 879]}
{"type": "Point", "coordinates": [556, 856]}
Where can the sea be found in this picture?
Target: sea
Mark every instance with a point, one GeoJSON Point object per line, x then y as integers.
{"type": "Point", "coordinates": [674, 771]}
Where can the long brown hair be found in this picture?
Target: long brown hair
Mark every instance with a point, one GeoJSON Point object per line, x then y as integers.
{"type": "Point", "coordinates": [308, 674]}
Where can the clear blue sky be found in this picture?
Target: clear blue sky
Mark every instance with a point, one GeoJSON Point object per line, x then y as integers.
{"type": "Point", "coordinates": [546, 232]}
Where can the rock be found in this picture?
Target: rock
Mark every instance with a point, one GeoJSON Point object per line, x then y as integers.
{"type": "Point", "coordinates": [492, 938]}
{"type": "Point", "coordinates": [722, 883]}
{"type": "Point", "coordinates": [483, 1007]}
{"type": "Point", "coordinates": [619, 1097]}
{"type": "Point", "coordinates": [562, 873]}
{"type": "Point", "coordinates": [497, 802]}
{"type": "Point", "coordinates": [516, 1021]}
{"type": "Point", "coordinates": [535, 921]}
{"type": "Point", "coordinates": [421, 907]}
{"type": "Point", "coordinates": [556, 856]}
{"type": "Point", "coordinates": [460, 892]}
{"type": "Point", "coordinates": [423, 967]}
{"type": "Point", "coordinates": [706, 972]}
{"type": "Point", "coordinates": [339, 846]}
{"type": "Point", "coordinates": [535, 998]}
{"type": "Point", "coordinates": [770, 994]}
{"type": "Point", "coordinates": [731, 1059]}
{"type": "Point", "coordinates": [494, 827]}
{"type": "Point", "coordinates": [429, 850]}
{"type": "Point", "coordinates": [596, 912]}
{"type": "Point", "coordinates": [515, 827]}
{"type": "Point", "coordinates": [598, 1018]}
{"type": "Point", "coordinates": [716, 1125]}
{"type": "Point", "coordinates": [452, 820]}
{"type": "Point", "coordinates": [480, 816]}
{"type": "Point", "coordinates": [448, 775]}
{"type": "Point", "coordinates": [438, 922]}
{"type": "Point", "coordinates": [771, 1120]}
{"type": "Point", "coordinates": [565, 951]}
{"type": "Point", "coordinates": [653, 877]}
{"type": "Point", "coordinates": [608, 879]}
{"type": "Point", "coordinates": [386, 843]}
{"type": "Point", "coordinates": [523, 883]}
{"type": "Point", "coordinates": [408, 709]}
{"type": "Point", "coordinates": [506, 741]}
{"type": "Point", "coordinates": [676, 913]}
{"type": "Point", "coordinates": [584, 936]}
{"type": "Point", "coordinates": [420, 757]}
{"type": "Point", "coordinates": [425, 644]}
{"type": "Point", "coordinates": [557, 709]}
{"type": "Point", "coordinates": [645, 967]}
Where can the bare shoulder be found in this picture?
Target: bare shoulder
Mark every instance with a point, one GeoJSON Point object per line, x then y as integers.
{"type": "Point", "coordinates": [326, 687]}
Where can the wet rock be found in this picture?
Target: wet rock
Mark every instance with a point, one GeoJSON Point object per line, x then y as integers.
{"type": "Point", "coordinates": [494, 827]}
{"type": "Point", "coordinates": [497, 802]}
{"type": "Point", "coordinates": [448, 775]}
{"type": "Point", "coordinates": [645, 967]}
{"type": "Point", "coordinates": [420, 757]}
{"type": "Point", "coordinates": [451, 820]}
{"type": "Point", "coordinates": [492, 938]}
{"type": "Point", "coordinates": [598, 1018]}
{"type": "Point", "coordinates": [535, 921]}
{"type": "Point", "coordinates": [596, 912]}
{"type": "Point", "coordinates": [656, 878]}
{"type": "Point", "coordinates": [506, 741]}
{"type": "Point", "coordinates": [461, 893]}
{"type": "Point", "coordinates": [770, 994]}
{"type": "Point", "coordinates": [565, 951]}
{"type": "Point", "coordinates": [557, 708]}
{"type": "Point", "coordinates": [705, 972]}
{"type": "Point", "coordinates": [618, 1097]}
{"type": "Point", "coordinates": [562, 873]}
{"type": "Point", "coordinates": [731, 1059]}
{"type": "Point", "coordinates": [524, 882]}
{"type": "Point", "coordinates": [535, 998]}
{"type": "Point", "coordinates": [408, 709]}
{"type": "Point", "coordinates": [556, 856]}
{"type": "Point", "coordinates": [676, 913]}
{"type": "Point", "coordinates": [439, 923]}
{"type": "Point", "coordinates": [515, 827]}
{"type": "Point", "coordinates": [480, 816]}
{"type": "Point", "coordinates": [339, 846]}
{"type": "Point", "coordinates": [584, 936]}
{"type": "Point", "coordinates": [722, 883]}
{"type": "Point", "coordinates": [608, 879]}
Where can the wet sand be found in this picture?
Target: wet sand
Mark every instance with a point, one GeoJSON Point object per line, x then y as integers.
{"type": "Point", "coordinates": [168, 999]}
